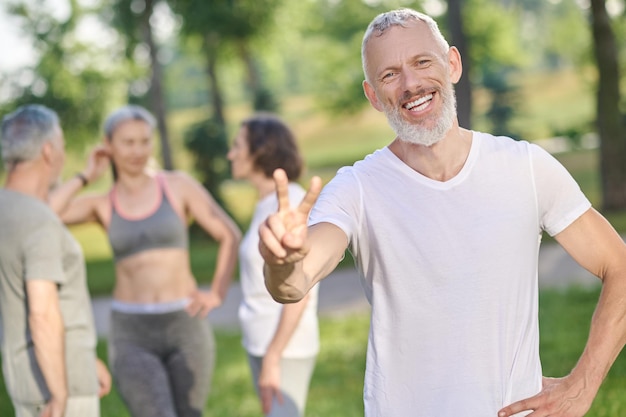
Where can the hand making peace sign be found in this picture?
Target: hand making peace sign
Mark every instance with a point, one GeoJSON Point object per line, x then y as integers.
{"type": "Point", "coordinates": [283, 235]}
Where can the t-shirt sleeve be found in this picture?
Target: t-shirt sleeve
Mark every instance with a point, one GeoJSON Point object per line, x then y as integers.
{"type": "Point", "coordinates": [560, 200]}
{"type": "Point", "coordinates": [339, 203]}
{"type": "Point", "coordinates": [43, 252]}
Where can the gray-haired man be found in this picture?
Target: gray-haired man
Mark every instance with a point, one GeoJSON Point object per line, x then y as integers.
{"type": "Point", "coordinates": [49, 362]}
{"type": "Point", "coordinates": [445, 225]}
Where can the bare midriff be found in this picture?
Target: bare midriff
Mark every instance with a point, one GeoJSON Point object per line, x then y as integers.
{"type": "Point", "coordinates": [154, 276]}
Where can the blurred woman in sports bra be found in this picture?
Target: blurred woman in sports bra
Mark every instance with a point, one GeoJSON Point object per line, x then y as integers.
{"type": "Point", "coordinates": [161, 347]}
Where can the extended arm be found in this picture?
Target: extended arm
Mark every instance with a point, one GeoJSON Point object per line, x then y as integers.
{"type": "Point", "coordinates": [296, 256]}
{"type": "Point", "coordinates": [595, 245]}
{"type": "Point", "coordinates": [48, 333]}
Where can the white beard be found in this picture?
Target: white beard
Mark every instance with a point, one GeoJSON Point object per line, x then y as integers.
{"type": "Point", "coordinates": [420, 135]}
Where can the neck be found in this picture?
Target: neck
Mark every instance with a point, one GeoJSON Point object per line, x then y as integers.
{"type": "Point", "coordinates": [441, 161]}
{"type": "Point", "coordinates": [132, 183]}
{"type": "Point", "coordinates": [26, 178]}
{"type": "Point", "coordinates": [263, 185]}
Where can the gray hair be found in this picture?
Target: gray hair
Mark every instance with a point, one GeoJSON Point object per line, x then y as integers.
{"type": "Point", "coordinates": [124, 114]}
{"type": "Point", "coordinates": [399, 17]}
{"type": "Point", "coordinates": [25, 131]}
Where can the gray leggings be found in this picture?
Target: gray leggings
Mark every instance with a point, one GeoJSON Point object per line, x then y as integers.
{"type": "Point", "coordinates": [161, 363]}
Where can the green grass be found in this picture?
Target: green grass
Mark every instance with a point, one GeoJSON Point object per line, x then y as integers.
{"type": "Point", "coordinates": [564, 318]}
{"type": "Point", "coordinates": [336, 388]}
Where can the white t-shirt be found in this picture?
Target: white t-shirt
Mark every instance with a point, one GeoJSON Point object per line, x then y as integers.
{"type": "Point", "coordinates": [450, 269]}
{"type": "Point", "coordinates": [259, 314]}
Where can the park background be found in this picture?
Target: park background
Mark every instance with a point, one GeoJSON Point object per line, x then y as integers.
{"type": "Point", "coordinates": [546, 71]}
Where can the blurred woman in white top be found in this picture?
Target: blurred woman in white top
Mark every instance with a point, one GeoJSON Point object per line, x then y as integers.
{"type": "Point", "coordinates": [282, 341]}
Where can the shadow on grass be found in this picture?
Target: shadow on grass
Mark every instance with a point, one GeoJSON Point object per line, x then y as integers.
{"type": "Point", "coordinates": [565, 317]}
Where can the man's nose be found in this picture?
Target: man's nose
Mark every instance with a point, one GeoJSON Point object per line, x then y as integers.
{"type": "Point", "coordinates": [411, 81]}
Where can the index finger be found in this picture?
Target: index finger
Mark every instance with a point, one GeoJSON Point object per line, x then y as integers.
{"type": "Point", "coordinates": [282, 189]}
{"type": "Point", "coordinates": [311, 195]}
{"type": "Point", "coordinates": [518, 407]}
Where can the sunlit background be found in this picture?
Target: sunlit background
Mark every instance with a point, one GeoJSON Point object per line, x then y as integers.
{"type": "Point", "coordinates": [202, 66]}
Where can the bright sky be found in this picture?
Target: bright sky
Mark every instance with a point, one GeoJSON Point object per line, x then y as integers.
{"type": "Point", "coordinates": [15, 51]}
{"type": "Point", "coordinates": [16, 48]}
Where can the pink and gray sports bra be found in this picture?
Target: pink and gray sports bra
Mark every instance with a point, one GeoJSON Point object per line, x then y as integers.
{"type": "Point", "coordinates": [163, 228]}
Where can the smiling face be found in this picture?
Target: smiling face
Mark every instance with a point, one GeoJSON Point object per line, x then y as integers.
{"type": "Point", "coordinates": [130, 146]}
{"type": "Point", "coordinates": [411, 78]}
{"type": "Point", "coordinates": [241, 164]}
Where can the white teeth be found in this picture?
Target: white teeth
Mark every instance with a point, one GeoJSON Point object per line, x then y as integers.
{"type": "Point", "coordinates": [422, 102]}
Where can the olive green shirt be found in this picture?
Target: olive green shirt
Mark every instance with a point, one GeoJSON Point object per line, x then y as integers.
{"type": "Point", "coordinates": [35, 245]}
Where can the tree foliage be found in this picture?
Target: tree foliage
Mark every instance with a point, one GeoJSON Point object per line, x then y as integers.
{"type": "Point", "coordinates": [336, 28]}
{"type": "Point", "coordinates": [220, 24]}
{"type": "Point", "coordinates": [232, 25]}
{"type": "Point", "coordinates": [66, 77]}
{"type": "Point", "coordinates": [133, 20]}
{"type": "Point", "coordinates": [208, 141]}
{"type": "Point", "coordinates": [262, 49]}
{"type": "Point", "coordinates": [231, 19]}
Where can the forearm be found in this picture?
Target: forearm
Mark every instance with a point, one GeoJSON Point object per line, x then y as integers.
{"type": "Point", "coordinates": [607, 334]}
{"type": "Point", "coordinates": [289, 282]}
{"type": "Point", "coordinates": [286, 283]}
{"type": "Point", "coordinates": [225, 265]}
{"type": "Point", "coordinates": [60, 197]}
{"type": "Point", "coordinates": [595, 245]}
{"type": "Point", "coordinates": [289, 276]}
{"type": "Point", "coordinates": [289, 320]}
{"type": "Point", "coordinates": [48, 335]}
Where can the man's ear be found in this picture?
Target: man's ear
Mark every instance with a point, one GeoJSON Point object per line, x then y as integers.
{"type": "Point", "coordinates": [371, 96]}
{"type": "Point", "coordinates": [47, 151]}
{"type": "Point", "coordinates": [456, 65]}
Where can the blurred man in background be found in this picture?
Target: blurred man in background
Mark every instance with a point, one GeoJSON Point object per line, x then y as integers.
{"type": "Point", "coordinates": [48, 350]}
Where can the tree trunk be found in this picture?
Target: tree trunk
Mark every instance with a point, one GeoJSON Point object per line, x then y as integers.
{"type": "Point", "coordinates": [253, 76]}
{"type": "Point", "coordinates": [463, 87]}
{"type": "Point", "coordinates": [262, 98]}
{"type": "Point", "coordinates": [609, 120]}
{"type": "Point", "coordinates": [156, 87]}
{"type": "Point", "coordinates": [211, 41]}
